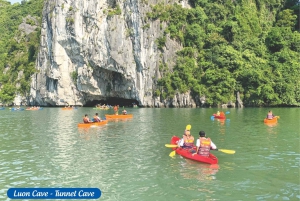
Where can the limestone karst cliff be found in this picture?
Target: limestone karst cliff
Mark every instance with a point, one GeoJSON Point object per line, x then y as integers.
{"type": "Point", "coordinates": [95, 50]}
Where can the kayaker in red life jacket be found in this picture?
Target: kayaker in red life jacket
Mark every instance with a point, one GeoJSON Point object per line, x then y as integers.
{"type": "Point", "coordinates": [270, 115]}
{"type": "Point", "coordinates": [86, 119]}
{"type": "Point", "coordinates": [204, 145]}
{"type": "Point", "coordinates": [187, 141]}
{"type": "Point", "coordinates": [97, 118]}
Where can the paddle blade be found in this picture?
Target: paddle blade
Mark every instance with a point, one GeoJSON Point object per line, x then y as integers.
{"type": "Point", "coordinates": [172, 154]}
{"type": "Point", "coordinates": [188, 127]}
{"type": "Point", "coordinates": [171, 145]}
{"type": "Point", "coordinates": [212, 117]}
{"type": "Point", "coordinates": [278, 117]}
{"type": "Point", "coordinates": [227, 112]}
{"type": "Point", "coordinates": [227, 151]}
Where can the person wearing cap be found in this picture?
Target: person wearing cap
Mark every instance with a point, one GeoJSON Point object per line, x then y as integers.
{"type": "Point", "coordinates": [204, 145]}
{"type": "Point", "coordinates": [187, 141]}
{"type": "Point", "coordinates": [86, 119]}
{"type": "Point", "coordinates": [97, 118]}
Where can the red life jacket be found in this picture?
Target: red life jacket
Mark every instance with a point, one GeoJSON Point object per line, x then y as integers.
{"type": "Point", "coordinates": [204, 148]}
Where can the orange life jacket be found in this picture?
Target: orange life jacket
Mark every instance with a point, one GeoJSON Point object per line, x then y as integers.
{"type": "Point", "coordinates": [188, 141]}
{"type": "Point", "coordinates": [204, 148]}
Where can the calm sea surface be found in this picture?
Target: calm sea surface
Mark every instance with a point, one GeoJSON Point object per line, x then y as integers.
{"type": "Point", "coordinates": [127, 159]}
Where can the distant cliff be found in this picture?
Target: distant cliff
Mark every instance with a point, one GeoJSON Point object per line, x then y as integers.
{"type": "Point", "coordinates": [168, 54]}
{"type": "Point", "coordinates": [94, 50]}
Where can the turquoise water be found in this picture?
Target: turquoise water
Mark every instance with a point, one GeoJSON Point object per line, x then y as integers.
{"type": "Point", "coordinates": [127, 159]}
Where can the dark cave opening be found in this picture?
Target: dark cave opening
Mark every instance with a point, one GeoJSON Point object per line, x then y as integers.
{"type": "Point", "coordinates": [113, 101]}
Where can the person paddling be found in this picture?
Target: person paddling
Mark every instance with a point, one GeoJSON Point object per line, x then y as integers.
{"type": "Point", "coordinates": [97, 118]}
{"type": "Point", "coordinates": [116, 109]}
{"type": "Point", "coordinates": [204, 145]}
{"type": "Point", "coordinates": [187, 141]}
{"type": "Point", "coordinates": [86, 119]}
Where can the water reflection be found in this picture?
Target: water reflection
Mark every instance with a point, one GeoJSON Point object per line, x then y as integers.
{"type": "Point", "coordinates": [63, 142]}
{"type": "Point", "coordinates": [221, 122]}
{"type": "Point", "coordinates": [272, 128]}
{"type": "Point", "coordinates": [93, 132]}
{"type": "Point", "coordinates": [271, 124]}
{"type": "Point", "coordinates": [120, 120]}
{"type": "Point", "coordinates": [200, 171]}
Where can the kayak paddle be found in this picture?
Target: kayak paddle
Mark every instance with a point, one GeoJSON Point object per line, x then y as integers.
{"type": "Point", "coordinates": [227, 112]}
{"type": "Point", "coordinates": [227, 151]}
{"type": "Point", "coordinates": [171, 145]}
{"type": "Point", "coordinates": [172, 154]}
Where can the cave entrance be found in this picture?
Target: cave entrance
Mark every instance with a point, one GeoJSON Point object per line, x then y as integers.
{"type": "Point", "coordinates": [113, 101]}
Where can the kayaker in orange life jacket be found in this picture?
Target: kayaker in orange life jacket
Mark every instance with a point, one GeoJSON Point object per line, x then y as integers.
{"type": "Point", "coordinates": [187, 141]}
{"type": "Point", "coordinates": [270, 115]}
{"type": "Point", "coordinates": [86, 119]}
{"type": "Point", "coordinates": [222, 114]}
{"type": "Point", "coordinates": [204, 145]}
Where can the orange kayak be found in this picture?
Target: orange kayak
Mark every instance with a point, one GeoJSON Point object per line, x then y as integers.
{"type": "Point", "coordinates": [84, 125]}
{"type": "Point", "coordinates": [120, 116]}
{"type": "Point", "coordinates": [67, 108]}
{"type": "Point", "coordinates": [274, 120]}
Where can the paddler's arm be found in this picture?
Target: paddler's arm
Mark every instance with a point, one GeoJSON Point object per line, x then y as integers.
{"type": "Point", "coordinates": [213, 146]}
{"type": "Point", "coordinates": [197, 145]}
{"type": "Point", "coordinates": [196, 151]}
{"type": "Point", "coordinates": [180, 143]}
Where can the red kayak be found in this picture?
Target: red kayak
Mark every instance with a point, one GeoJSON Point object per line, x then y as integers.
{"type": "Point", "coordinates": [211, 159]}
{"type": "Point", "coordinates": [219, 117]}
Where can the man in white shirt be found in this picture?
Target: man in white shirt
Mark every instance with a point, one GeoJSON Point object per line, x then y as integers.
{"type": "Point", "coordinates": [204, 145]}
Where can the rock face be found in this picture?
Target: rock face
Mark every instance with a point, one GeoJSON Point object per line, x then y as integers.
{"type": "Point", "coordinates": [95, 50]}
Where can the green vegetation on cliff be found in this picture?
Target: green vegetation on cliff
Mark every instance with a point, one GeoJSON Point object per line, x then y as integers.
{"type": "Point", "coordinates": [233, 46]}
{"type": "Point", "coordinates": [19, 42]}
